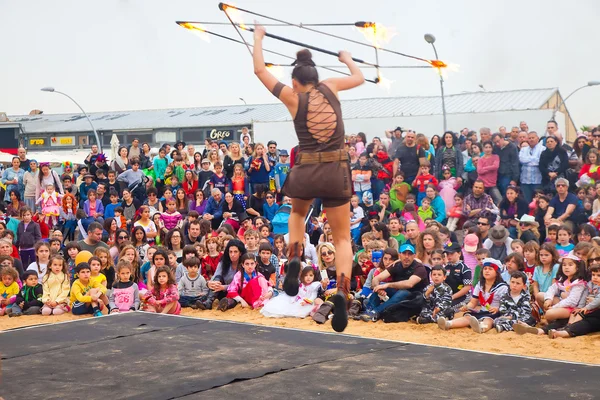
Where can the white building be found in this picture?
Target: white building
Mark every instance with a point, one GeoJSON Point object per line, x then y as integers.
{"type": "Point", "coordinates": [64, 133]}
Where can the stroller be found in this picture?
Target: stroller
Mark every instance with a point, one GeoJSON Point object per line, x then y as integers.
{"type": "Point", "coordinates": [138, 189]}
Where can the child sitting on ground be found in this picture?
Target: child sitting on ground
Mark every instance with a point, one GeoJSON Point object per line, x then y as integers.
{"type": "Point", "coordinates": [515, 306]}
{"type": "Point", "coordinates": [124, 295]}
{"type": "Point", "coordinates": [583, 320]}
{"type": "Point", "coordinates": [193, 290]}
{"type": "Point", "coordinates": [300, 305]}
{"type": "Point", "coordinates": [85, 293]}
{"type": "Point", "coordinates": [248, 287]}
{"type": "Point", "coordinates": [163, 297]}
{"type": "Point", "coordinates": [264, 264]}
{"type": "Point", "coordinates": [485, 302]}
{"type": "Point", "coordinates": [56, 285]}
{"type": "Point", "coordinates": [9, 289]}
{"type": "Point", "coordinates": [438, 298]}
{"type": "Point", "coordinates": [29, 299]}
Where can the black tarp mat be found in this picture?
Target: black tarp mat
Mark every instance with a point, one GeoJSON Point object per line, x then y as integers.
{"type": "Point", "coordinates": [150, 356]}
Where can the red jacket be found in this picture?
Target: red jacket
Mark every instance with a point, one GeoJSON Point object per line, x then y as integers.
{"type": "Point", "coordinates": [387, 164]}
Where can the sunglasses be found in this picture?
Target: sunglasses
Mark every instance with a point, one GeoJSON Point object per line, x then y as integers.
{"type": "Point", "coordinates": [593, 260]}
{"type": "Point", "coordinates": [269, 197]}
{"type": "Point", "coordinates": [524, 223]}
{"type": "Point", "coordinates": [561, 185]}
{"type": "Point", "coordinates": [123, 237]}
{"type": "Point", "coordinates": [596, 135]}
{"type": "Point", "coordinates": [327, 253]}
{"type": "Point", "coordinates": [482, 223]}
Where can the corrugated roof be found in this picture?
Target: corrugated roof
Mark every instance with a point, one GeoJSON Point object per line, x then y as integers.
{"type": "Point", "coordinates": [477, 102]}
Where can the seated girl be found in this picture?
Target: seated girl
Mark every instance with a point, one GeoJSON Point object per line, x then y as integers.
{"type": "Point", "coordinates": [485, 303]}
{"type": "Point", "coordinates": [163, 297]}
{"type": "Point", "coordinates": [298, 306]}
{"type": "Point", "coordinates": [564, 296]}
{"type": "Point", "coordinates": [248, 287]}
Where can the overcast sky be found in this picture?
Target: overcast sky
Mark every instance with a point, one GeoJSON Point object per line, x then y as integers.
{"type": "Point", "coordinates": [130, 55]}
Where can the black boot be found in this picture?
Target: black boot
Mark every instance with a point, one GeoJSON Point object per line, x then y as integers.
{"type": "Point", "coordinates": [340, 304]}
{"type": "Point", "coordinates": [323, 312]}
{"type": "Point", "coordinates": [291, 283]}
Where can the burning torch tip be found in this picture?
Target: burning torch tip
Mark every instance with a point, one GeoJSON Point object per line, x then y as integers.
{"type": "Point", "coordinates": [377, 80]}
{"type": "Point", "coordinates": [224, 6]}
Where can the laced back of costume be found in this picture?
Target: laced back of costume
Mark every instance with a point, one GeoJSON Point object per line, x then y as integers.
{"type": "Point", "coordinates": [318, 122]}
{"type": "Point", "coordinates": [321, 119]}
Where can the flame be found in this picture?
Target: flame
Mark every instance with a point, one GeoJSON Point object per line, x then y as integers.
{"type": "Point", "coordinates": [275, 70]}
{"type": "Point", "coordinates": [376, 33]}
{"type": "Point", "coordinates": [235, 15]}
{"type": "Point", "coordinates": [442, 68]}
{"type": "Point", "coordinates": [197, 29]}
{"type": "Point", "coordinates": [383, 82]}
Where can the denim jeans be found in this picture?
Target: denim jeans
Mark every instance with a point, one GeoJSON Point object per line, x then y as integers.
{"type": "Point", "coordinates": [395, 295]}
{"type": "Point", "coordinates": [502, 183]}
{"type": "Point", "coordinates": [528, 190]}
{"type": "Point", "coordinates": [377, 185]}
{"type": "Point", "coordinates": [187, 301]}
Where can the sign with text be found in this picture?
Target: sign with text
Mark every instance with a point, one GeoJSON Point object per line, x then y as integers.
{"type": "Point", "coordinates": [58, 141]}
{"type": "Point", "coordinates": [220, 134]}
{"type": "Point", "coordinates": [37, 142]}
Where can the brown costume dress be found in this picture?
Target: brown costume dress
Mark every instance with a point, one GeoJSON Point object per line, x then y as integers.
{"type": "Point", "coordinates": [322, 169]}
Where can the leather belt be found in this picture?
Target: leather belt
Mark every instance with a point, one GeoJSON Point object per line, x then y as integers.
{"type": "Point", "coordinates": [322, 157]}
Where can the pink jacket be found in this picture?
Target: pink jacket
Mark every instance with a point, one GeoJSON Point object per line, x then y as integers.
{"type": "Point", "coordinates": [487, 170]}
{"type": "Point", "coordinates": [171, 220]}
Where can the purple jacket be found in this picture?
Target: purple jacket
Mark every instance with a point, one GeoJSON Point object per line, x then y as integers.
{"type": "Point", "coordinates": [99, 207]}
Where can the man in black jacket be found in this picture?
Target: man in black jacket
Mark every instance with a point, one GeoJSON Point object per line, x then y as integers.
{"type": "Point", "coordinates": [509, 170]}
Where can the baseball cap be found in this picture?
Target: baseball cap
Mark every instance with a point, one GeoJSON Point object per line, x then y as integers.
{"type": "Point", "coordinates": [452, 247]}
{"type": "Point", "coordinates": [205, 160]}
{"type": "Point", "coordinates": [471, 242]}
{"type": "Point", "coordinates": [407, 247]}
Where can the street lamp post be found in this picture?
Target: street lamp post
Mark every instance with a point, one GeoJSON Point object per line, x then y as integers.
{"type": "Point", "coordinates": [429, 38]}
{"type": "Point", "coordinates": [52, 90]}
{"type": "Point", "coordinates": [590, 83]}
{"type": "Point", "coordinates": [243, 101]}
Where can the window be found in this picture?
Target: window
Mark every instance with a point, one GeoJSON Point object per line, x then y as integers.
{"type": "Point", "coordinates": [107, 137]}
{"type": "Point", "coordinates": [166, 137]}
{"type": "Point", "coordinates": [193, 136]}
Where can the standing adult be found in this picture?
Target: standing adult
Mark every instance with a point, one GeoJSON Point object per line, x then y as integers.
{"type": "Point", "coordinates": [258, 167]}
{"type": "Point", "coordinates": [554, 162]}
{"type": "Point", "coordinates": [121, 162]}
{"type": "Point", "coordinates": [449, 154]}
{"type": "Point", "coordinates": [321, 167]}
{"type": "Point", "coordinates": [529, 156]}
{"type": "Point", "coordinates": [395, 140]}
{"type": "Point", "coordinates": [134, 150]}
{"type": "Point", "coordinates": [487, 171]}
{"type": "Point", "coordinates": [405, 276]}
{"type": "Point", "coordinates": [22, 154]}
{"type": "Point", "coordinates": [146, 157]}
{"type": "Point", "coordinates": [12, 178]}
{"type": "Point", "coordinates": [93, 154]}
{"type": "Point", "coordinates": [233, 157]}
{"type": "Point", "coordinates": [508, 171]}
{"type": "Point", "coordinates": [408, 157]}
{"type": "Point", "coordinates": [485, 134]}
{"type": "Point", "coordinates": [94, 238]}
{"type": "Point", "coordinates": [30, 179]}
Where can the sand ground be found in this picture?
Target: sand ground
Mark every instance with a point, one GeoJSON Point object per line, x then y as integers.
{"type": "Point", "coordinates": [580, 349]}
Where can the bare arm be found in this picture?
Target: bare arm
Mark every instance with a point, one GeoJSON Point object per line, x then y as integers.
{"type": "Point", "coordinates": [355, 79]}
{"type": "Point", "coordinates": [287, 95]}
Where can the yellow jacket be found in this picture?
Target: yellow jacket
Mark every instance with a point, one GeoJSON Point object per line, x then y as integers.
{"type": "Point", "coordinates": [56, 288]}
{"type": "Point", "coordinates": [79, 291]}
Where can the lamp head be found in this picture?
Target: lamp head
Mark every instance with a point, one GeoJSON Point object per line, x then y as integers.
{"type": "Point", "coordinates": [47, 89]}
{"type": "Point", "coordinates": [429, 38]}
{"type": "Point", "coordinates": [593, 83]}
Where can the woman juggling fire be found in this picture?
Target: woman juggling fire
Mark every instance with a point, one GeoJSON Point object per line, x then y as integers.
{"type": "Point", "coordinates": [321, 169]}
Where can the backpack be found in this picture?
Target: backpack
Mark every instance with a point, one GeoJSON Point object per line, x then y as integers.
{"type": "Point", "coordinates": [280, 220]}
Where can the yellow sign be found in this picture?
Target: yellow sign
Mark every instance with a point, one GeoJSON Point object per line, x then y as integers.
{"type": "Point", "coordinates": [36, 142]}
{"type": "Point", "coordinates": [62, 141]}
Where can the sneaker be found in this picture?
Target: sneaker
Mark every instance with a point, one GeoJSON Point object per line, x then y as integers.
{"type": "Point", "coordinates": [443, 323]}
{"type": "Point", "coordinates": [223, 304]}
{"type": "Point", "coordinates": [15, 314]}
{"type": "Point", "coordinates": [365, 317]}
{"type": "Point", "coordinates": [193, 306]}
{"type": "Point", "coordinates": [499, 329]}
{"type": "Point", "coordinates": [339, 322]}
{"type": "Point", "coordinates": [98, 313]}
{"type": "Point", "coordinates": [419, 320]}
{"type": "Point", "coordinates": [200, 305]}
{"type": "Point", "coordinates": [474, 322]}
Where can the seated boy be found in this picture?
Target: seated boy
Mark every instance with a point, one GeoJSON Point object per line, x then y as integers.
{"type": "Point", "coordinates": [28, 300]}
{"type": "Point", "coordinates": [264, 264]}
{"type": "Point", "coordinates": [438, 298]}
{"type": "Point", "coordinates": [193, 290]}
{"type": "Point", "coordinates": [86, 293]}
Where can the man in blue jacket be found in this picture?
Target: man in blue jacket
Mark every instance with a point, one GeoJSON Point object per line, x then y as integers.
{"type": "Point", "coordinates": [214, 209]}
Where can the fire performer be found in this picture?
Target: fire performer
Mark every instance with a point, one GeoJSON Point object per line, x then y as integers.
{"type": "Point", "coordinates": [321, 167]}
